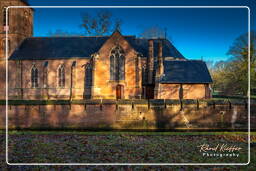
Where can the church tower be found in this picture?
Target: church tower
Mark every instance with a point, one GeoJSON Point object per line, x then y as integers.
{"type": "Point", "coordinates": [20, 24]}
{"type": "Point", "coordinates": [20, 27]}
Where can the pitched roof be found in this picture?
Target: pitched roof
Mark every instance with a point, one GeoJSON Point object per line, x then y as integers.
{"type": "Point", "coordinates": [82, 47]}
{"type": "Point", "coordinates": [188, 71]}
{"type": "Point", "coordinates": [57, 47]}
{"type": "Point", "coordinates": [141, 45]}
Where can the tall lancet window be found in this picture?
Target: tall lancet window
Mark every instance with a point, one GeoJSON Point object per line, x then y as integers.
{"type": "Point", "coordinates": [88, 74]}
{"type": "Point", "coordinates": [45, 74]}
{"type": "Point", "coordinates": [4, 45]}
{"type": "Point", "coordinates": [61, 76]}
{"type": "Point", "coordinates": [34, 77]}
{"type": "Point", "coordinates": [4, 16]}
{"type": "Point", "coordinates": [117, 64]}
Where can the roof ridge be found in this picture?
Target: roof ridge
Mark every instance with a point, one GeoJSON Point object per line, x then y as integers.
{"type": "Point", "coordinates": [151, 38]}
{"type": "Point", "coordinates": [182, 60]}
{"type": "Point", "coordinates": [198, 60]}
{"type": "Point", "coordinates": [134, 36]}
{"type": "Point", "coordinates": [49, 37]}
{"type": "Point", "coordinates": [66, 37]}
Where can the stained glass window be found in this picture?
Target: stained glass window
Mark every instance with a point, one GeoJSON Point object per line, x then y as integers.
{"type": "Point", "coordinates": [117, 64]}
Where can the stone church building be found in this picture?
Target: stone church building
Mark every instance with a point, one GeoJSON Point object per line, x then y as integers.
{"type": "Point", "coordinates": [98, 67]}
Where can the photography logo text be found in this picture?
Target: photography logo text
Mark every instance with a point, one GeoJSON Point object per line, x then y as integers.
{"type": "Point", "coordinates": [219, 150]}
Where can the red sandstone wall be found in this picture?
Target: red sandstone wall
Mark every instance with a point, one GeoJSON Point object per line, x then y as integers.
{"type": "Point", "coordinates": [194, 91]}
{"type": "Point", "coordinates": [103, 86]}
{"type": "Point", "coordinates": [53, 90]}
{"type": "Point", "coordinates": [190, 91]}
{"type": "Point", "coordinates": [168, 91]}
{"type": "Point", "coordinates": [135, 116]}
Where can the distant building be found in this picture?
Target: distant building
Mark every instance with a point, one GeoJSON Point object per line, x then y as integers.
{"type": "Point", "coordinates": [108, 67]}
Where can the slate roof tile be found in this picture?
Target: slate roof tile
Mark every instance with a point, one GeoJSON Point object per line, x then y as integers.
{"type": "Point", "coordinates": [188, 71]}
{"type": "Point", "coordinates": [44, 48]}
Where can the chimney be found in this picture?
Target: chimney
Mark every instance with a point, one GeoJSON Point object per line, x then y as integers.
{"type": "Point", "coordinates": [150, 60]}
{"type": "Point", "coordinates": [159, 70]}
{"type": "Point", "coordinates": [160, 60]}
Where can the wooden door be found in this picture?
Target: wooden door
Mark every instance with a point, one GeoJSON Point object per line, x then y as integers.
{"type": "Point", "coordinates": [150, 92]}
{"type": "Point", "coordinates": [119, 91]}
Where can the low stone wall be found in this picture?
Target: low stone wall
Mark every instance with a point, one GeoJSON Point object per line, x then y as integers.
{"type": "Point", "coordinates": [128, 114]}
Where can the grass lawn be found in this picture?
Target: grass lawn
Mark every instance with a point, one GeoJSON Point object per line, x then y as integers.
{"type": "Point", "coordinates": [223, 97]}
{"type": "Point", "coordinates": [122, 147]}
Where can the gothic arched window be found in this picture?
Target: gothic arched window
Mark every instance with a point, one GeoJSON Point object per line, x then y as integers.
{"type": "Point", "coordinates": [4, 16]}
{"type": "Point", "coordinates": [26, 20]}
{"type": "Point", "coordinates": [117, 64]}
{"type": "Point", "coordinates": [88, 80]}
{"type": "Point", "coordinates": [34, 77]}
{"type": "Point", "coordinates": [88, 74]}
{"type": "Point", "coordinates": [4, 45]}
{"type": "Point", "coordinates": [144, 74]}
{"type": "Point", "coordinates": [61, 76]}
{"type": "Point", "coordinates": [45, 74]}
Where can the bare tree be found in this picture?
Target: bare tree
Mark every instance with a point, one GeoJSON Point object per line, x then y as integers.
{"type": "Point", "coordinates": [100, 24]}
{"type": "Point", "coordinates": [210, 64]}
{"type": "Point", "coordinates": [118, 24]}
{"type": "Point", "coordinates": [231, 76]}
{"type": "Point", "coordinates": [153, 32]}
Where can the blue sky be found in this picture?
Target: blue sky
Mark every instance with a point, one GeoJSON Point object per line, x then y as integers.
{"type": "Point", "coordinates": [196, 33]}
